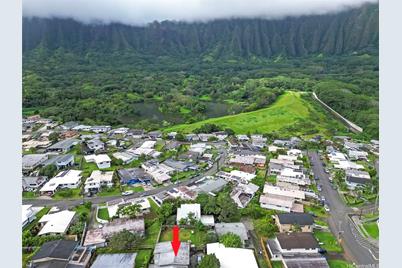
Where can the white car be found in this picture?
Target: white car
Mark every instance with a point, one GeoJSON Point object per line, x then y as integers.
{"type": "Point", "coordinates": [326, 207]}
{"type": "Point", "coordinates": [127, 193]}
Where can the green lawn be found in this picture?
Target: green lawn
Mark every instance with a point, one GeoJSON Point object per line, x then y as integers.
{"type": "Point", "coordinates": [103, 214]}
{"type": "Point", "coordinates": [67, 194]}
{"type": "Point", "coordinates": [339, 264]}
{"type": "Point", "coordinates": [30, 194]}
{"type": "Point", "coordinates": [182, 175]}
{"type": "Point", "coordinates": [151, 232]}
{"type": "Point", "coordinates": [112, 191]}
{"type": "Point", "coordinates": [198, 238]}
{"type": "Point", "coordinates": [276, 264]}
{"type": "Point", "coordinates": [288, 110]}
{"type": "Point", "coordinates": [143, 258]}
{"type": "Point", "coordinates": [329, 240]}
{"type": "Point", "coordinates": [317, 210]}
{"type": "Point", "coordinates": [372, 229]}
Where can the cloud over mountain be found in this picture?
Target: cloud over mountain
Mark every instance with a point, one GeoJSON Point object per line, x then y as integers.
{"type": "Point", "coordinates": [139, 12]}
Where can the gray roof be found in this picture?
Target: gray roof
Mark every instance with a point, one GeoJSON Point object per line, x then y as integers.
{"type": "Point", "coordinates": [305, 261]}
{"type": "Point", "coordinates": [164, 255]}
{"type": "Point", "coordinates": [296, 218]}
{"type": "Point", "coordinates": [133, 174]}
{"type": "Point", "coordinates": [212, 185]}
{"type": "Point", "coordinates": [122, 260]}
{"type": "Point", "coordinates": [233, 227]}
{"type": "Point", "coordinates": [26, 181]}
{"type": "Point", "coordinates": [31, 160]}
{"type": "Point", "coordinates": [58, 249]}
{"type": "Point", "coordinates": [178, 165]}
{"type": "Point", "coordinates": [297, 241]}
{"type": "Point", "coordinates": [64, 144]}
{"type": "Point", "coordinates": [59, 159]}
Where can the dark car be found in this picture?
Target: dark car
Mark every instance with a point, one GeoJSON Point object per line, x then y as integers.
{"type": "Point", "coordinates": [322, 251]}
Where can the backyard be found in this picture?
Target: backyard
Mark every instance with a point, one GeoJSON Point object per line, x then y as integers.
{"type": "Point", "coordinates": [329, 241]}
{"type": "Point", "coordinates": [197, 237]}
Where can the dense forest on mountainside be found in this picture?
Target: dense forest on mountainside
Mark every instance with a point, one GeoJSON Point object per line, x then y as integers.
{"type": "Point", "coordinates": [169, 72]}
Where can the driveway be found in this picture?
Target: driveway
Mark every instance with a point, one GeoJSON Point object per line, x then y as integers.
{"type": "Point", "coordinates": [357, 248]}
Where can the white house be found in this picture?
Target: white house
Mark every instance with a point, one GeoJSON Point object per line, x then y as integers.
{"type": "Point", "coordinates": [232, 257]}
{"type": "Point", "coordinates": [275, 190]}
{"type": "Point", "coordinates": [97, 180]}
{"type": "Point", "coordinates": [357, 155]}
{"type": "Point", "coordinates": [66, 179]}
{"type": "Point", "coordinates": [185, 209]}
{"type": "Point", "coordinates": [101, 160]}
{"type": "Point", "coordinates": [126, 157]}
{"type": "Point", "coordinates": [236, 175]}
{"type": "Point", "coordinates": [280, 203]}
{"type": "Point", "coordinates": [29, 214]}
{"type": "Point", "coordinates": [56, 223]}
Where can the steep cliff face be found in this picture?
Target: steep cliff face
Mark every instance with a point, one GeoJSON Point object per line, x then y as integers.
{"type": "Point", "coordinates": [332, 34]}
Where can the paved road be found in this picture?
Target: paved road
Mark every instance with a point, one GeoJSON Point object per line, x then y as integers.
{"type": "Point", "coordinates": [69, 203]}
{"type": "Point", "coordinates": [357, 248]}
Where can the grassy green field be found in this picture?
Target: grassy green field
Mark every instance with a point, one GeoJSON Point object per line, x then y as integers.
{"type": "Point", "coordinates": [372, 229]}
{"type": "Point", "coordinates": [329, 241]}
{"type": "Point", "coordinates": [103, 214]}
{"type": "Point", "coordinates": [198, 238]}
{"type": "Point", "coordinates": [287, 112]}
{"type": "Point", "coordinates": [339, 264]}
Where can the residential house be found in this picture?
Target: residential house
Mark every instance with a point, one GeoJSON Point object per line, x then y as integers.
{"type": "Point", "coordinates": [232, 257]}
{"type": "Point", "coordinates": [126, 157]}
{"type": "Point", "coordinates": [357, 155]}
{"type": "Point", "coordinates": [32, 161]}
{"type": "Point", "coordinates": [236, 176]}
{"type": "Point", "coordinates": [98, 237]}
{"type": "Point", "coordinates": [66, 179]}
{"type": "Point", "coordinates": [165, 257]}
{"type": "Point", "coordinates": [29, 214]}
{"type": "Point", "coordinates": [82, 128]}
{"type": "Point", "coordinates": [32, 184]}
{"type": "Point", "coordinates": [237, 228]}
{"type": "Point", "coordinates": [275, 190]}
{"type": "Point", "coordinates": [113, 206]}
{"type": "Point", "coordinates": [159, 198]}
{"type": "Point", "coordinates": [280, 203]}
{"type": "Point", "coordinates": [183, 192]}
{"type": "Point", "coordinates": [63, 146]}
{"type": "Point", "coordinates": [206, 137]}
{"type": "Point", "coordinates": [93, 146]}
{"type": "Point", "coordinates": [118, 131]}
{"type": "Point", "coordinates": [242, 137]}
{"type": "Point", "coordinates": [355, 178]}
{"type": "Point", "coordinates": [69, 134]}
{"type": "Point", "coordinates": [133, 176]}
{"type": "Point", "coordinates": [159, 172]}
{"type": "Point", "coordinates": [136, 133]}
{"type": "Point", "coordinates": [180, 166]}
{"type": "Point", "coordinates": [97, 180]}
{"type": "Point", "coordinates": [61, 253]}
{"type": "Point", "coordinates": [69, 125]}
{"type": "Point", "coordinates": [208, 185]}
{"type": "Point", "coordinates": [258, 141]}
{"type": "Point", "coordinates": [101, 129]}
{"type": "Point", "coordinates": [56, 223]}
{"type": "Point", "coordinates": [287, 222]}
{"type": "Point", "coordinates": [116, 260]}
{"type": "Point", "coordinates": [155, 135]}
{"type": "Point", "coordinates": [296, 250]}
{"type": "Point", "coordinates": [61, 161]}
{"type": "Point", "coordinates": [101, 160]}
{"type": "Point", "coordinates": [185, 210]}
{"type": "Point", "coordinates": [243, 193]}
{"type": "Point", "coordinates": [199, 148]}
{"type": "Point", "coordinates": [189, 156]}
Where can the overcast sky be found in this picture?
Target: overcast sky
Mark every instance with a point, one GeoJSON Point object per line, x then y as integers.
{"type": "Point", "coordinates": [138, 12]}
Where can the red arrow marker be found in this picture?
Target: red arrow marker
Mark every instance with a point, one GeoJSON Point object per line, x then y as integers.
{"type": "Point", "coordinates": [176, 241]}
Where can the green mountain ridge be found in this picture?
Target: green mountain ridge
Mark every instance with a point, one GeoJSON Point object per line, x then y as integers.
{"type": "Point", "coordinates": [344, 32]}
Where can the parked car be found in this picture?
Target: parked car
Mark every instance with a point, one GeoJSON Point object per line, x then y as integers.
{"type": "Point", "coordinates": [326, 207]}
{"type": "Point", "coordinates": [127, 193]}
{"type": "Point", "coordinates": [319, 188]}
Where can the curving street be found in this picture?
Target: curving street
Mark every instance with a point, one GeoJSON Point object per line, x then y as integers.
{"type": "Point", "coordinates": [357, 248]}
